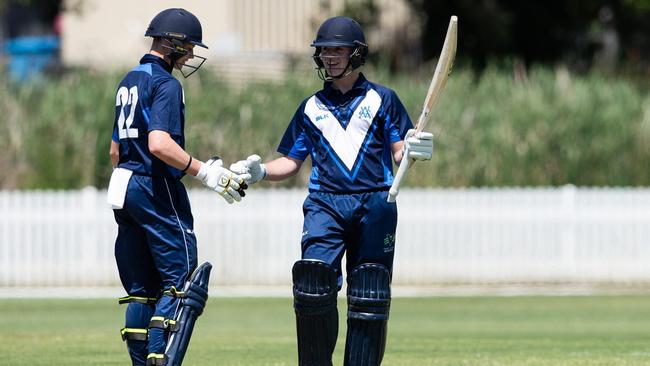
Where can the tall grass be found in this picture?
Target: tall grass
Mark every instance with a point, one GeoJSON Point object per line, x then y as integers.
{"type": "Point", "coordinates": [553, 128]}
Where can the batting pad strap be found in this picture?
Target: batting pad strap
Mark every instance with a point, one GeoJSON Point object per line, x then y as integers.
{"type": "Point", "coordinates": [196, 297]}
{"type": "Point", "coordinates": [134, 334]}
{"type": "Point", "coordinates": [174, 292]}
{"type": "Point", "coordinates": [163, 323]}
{"type": "Point", "coordinates": [193, 296]}
{"type": "Point", "coordinates": [138, 299]}
{"type": "Point", "coordinates": [188, 314]}
{"type": "Point", "coordinates": [154, 359]}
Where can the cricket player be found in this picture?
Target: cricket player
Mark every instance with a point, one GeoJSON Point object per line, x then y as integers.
{"type": "Point", "coordinates": [155, 247]}
{"type": "Point", "coordinates": [353, 130]}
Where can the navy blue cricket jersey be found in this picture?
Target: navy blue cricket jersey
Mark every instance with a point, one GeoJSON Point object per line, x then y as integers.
{"type": "Point", "coordinates": [348, 137]}
{"type": "Point", "coordinates": [148, 98]}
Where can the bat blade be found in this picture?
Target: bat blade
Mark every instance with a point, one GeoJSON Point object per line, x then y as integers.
{"type": "Point", "coordinates": [438, 81]}
{"type": "Point", "coordinates": [441, 74]}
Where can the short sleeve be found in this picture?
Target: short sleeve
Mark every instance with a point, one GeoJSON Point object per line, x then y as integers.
{"type": "Point", "coordinates": [166, 107]}
{"type": "Point", "coordinates": [295, 143]}
{"type": "Point", "coordinates": [398, 121]}
{"type": "Point", "coordinates": [115, 137]}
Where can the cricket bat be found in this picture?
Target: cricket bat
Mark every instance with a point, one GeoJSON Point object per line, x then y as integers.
{"type": "Point", "coordinates": [443, 69]}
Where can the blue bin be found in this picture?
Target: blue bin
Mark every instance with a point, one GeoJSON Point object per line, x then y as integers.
{"type": "Point", "coordinates": [29, 56]}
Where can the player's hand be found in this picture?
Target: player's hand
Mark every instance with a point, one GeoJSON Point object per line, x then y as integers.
{"type": "Point", "coordinates": [251, 169]}
{"type": "Point", "coordinates": [418, 146]}
{"type": "Point", "coordinates": [221, 180]}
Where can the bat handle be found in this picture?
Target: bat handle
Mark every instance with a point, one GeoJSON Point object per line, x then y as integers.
{"type": "Point", "coordinates": [399, 176]}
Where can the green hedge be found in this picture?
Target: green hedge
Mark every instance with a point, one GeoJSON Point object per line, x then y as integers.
{"type": "Point", "coordinates": [553, 128]}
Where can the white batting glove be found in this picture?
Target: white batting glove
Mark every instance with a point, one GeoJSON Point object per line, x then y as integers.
{"type": "Point", "coordinates": [251, 169]}
{"type": "Point", "coordinates": [221, 180]}
{"type": "Point", "coordinates": [418, 146]}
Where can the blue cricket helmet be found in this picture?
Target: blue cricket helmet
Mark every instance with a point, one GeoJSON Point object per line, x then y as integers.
{"type": "Point", "coordinates": [341, 31]}
{"type": "Point", "coordinates": [178, 24]}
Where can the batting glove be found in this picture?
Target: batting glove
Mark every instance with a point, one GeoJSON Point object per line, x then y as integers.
{"type": "Point", "coordinates": [418, 146]}
{"type": "Point", "coordinates": [221, 180]}
{"type": "Point", "coordinates": [251, 169]}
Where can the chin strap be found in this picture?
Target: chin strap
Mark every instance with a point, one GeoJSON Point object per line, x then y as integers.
{"type": "Point", "coordinates": [325, 76]}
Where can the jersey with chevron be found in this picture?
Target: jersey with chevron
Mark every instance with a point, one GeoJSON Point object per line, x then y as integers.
{"type": "Point", "coordinates": [348, 137]}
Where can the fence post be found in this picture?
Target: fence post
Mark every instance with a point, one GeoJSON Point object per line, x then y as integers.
{"type": "Point", "coordinates": [568, 234]}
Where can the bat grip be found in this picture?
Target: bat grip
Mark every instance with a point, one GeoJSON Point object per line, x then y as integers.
{"type": "Point", "coordinates": [399, 176]}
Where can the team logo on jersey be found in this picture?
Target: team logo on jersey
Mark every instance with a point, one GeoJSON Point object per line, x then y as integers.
{"type": "Point", "coordinates": [364, 112]}
{"type": "Point", "coordinates": [346, 144]}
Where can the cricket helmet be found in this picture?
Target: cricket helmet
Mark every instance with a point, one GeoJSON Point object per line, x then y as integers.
{"type": "Point", "coordinates": [179, 24]}
{"type": "Point", "coordinates": [179, 27]}
{"type": "Point", "coordinates": [340, 31]}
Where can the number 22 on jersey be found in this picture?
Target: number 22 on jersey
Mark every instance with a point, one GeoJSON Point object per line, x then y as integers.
{"type": "Point", "coordinates": [123, 98]}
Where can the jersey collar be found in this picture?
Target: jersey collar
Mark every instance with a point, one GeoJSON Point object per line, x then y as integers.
{"type": "Point", "coordinates": [152, 59]}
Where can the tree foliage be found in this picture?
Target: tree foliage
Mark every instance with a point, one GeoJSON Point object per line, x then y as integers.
{"type": "Point", "coordinates": [537, 31]}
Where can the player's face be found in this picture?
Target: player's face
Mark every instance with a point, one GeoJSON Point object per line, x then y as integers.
{"type": "Point", "coordinates": [335, 59]}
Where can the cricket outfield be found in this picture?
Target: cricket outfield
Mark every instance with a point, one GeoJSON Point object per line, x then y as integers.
{"type": "Point", "coordinates": [440, 331]}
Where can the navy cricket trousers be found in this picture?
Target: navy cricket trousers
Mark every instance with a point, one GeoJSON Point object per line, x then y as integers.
{"type": "Point", "coordinates": [360, 225]}
{"type": "Point", "coordinates": [155, 249]}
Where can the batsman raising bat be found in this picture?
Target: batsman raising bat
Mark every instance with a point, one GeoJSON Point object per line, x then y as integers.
{"type": "Point", "coordinates": [353, 130]}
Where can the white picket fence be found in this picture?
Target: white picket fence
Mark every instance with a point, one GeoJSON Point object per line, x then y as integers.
{"type": "Point", "coordinates": [457, 236]}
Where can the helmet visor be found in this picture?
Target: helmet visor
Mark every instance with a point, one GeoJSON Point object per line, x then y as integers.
{"type": "Point", "coordinates": [332, 43]}
{"type": "Point", "coordinates": [198, 43]}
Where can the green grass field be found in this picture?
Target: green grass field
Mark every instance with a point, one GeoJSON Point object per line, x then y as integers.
{"type": "Point", "coordinates": [485, 331]}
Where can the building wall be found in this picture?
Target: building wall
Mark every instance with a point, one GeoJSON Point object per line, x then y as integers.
{"type": "Point", "coordinates": [245, 36]}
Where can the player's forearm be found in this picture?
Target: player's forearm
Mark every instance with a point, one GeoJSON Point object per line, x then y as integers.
{"type": "Point", "coordinates": [396, 149]}
{"type": "Point", "coordinates": [114, 153]}
{"type": "Point", "coordinates": [162, 146]}
{"type": "Point", "coordinates": [281, 168]}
